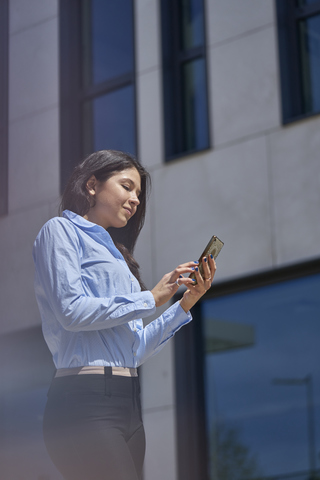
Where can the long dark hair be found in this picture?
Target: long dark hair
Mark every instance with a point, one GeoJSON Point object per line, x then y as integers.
{"type": "Point", "coordinates": [76, 198]}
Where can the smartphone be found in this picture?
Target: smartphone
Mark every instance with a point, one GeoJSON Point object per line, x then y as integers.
{"type": "Point", "coordinates": [213, 248]}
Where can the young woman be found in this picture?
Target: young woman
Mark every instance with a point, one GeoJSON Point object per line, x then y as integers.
{"type": "Point", "coordinates": [92, 302]}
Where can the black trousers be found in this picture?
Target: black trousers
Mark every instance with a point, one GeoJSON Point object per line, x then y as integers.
{"type": "Point", "coordinates": [93, 428]}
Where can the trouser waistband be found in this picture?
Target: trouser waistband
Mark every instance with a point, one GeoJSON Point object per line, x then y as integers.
{"type": "Point", "coordinates": [97, 370]}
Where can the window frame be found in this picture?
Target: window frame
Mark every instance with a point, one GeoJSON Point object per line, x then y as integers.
{"type": "Point", "coordinates": [73, 95]}
{"type": "Point", "coordinates": [177, 60]}
{"type": "Point", "coordinates": [4, 90]}
{"type": "Point", "coordinates": [288, 14]}
{"type": "Point", "coordinates": [190, 366]}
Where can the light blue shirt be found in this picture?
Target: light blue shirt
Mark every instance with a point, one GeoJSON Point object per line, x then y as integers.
{"type": "Point", "coordinates": [90, 303]}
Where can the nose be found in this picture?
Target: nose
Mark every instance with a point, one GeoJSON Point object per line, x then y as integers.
{"type": "Point", "coordinates": [134, 199]}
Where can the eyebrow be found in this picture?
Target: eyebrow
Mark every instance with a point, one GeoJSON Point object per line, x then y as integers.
{"type": "Point", "coordinates": [133, 184]}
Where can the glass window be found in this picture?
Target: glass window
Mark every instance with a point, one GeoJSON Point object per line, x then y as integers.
{"type": "Point", "coordinates": [195, 105]}
{"type": "Point", "coordinates": [262, 381]}
{"type": "Point", "coordinates": [302, 3]}
{"type": "Point", "coordinates": [107, 40]}
{"type": "Point", "coordinates": [192, 24]}
{"type": "Point", "coordinates": [299, 54]}
{"type": "Point", "coordinates": [310, 58]}
{"type": "Point", "coordinates": [97, 79]}
{"type": "Point", "coordinates": [107, 117]}
{"type": "Point", "coordinates": [108, 68]}
{"type": "Point", "coordinates": [184, 77]}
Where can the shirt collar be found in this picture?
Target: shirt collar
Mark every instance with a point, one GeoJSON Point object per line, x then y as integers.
{"type": "Point", "coordinates": [81, 222]}
{"type": "Point", "coordinates": [94, 231]}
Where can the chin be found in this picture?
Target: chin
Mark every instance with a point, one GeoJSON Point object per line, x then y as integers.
{"type": "Point", "coordinates": [121, 224]}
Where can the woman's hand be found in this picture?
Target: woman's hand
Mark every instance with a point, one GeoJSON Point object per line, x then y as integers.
{"type": "Point", "coordinates": [171, 281]}
{"type": "Point", "coordinates": [195, 292]}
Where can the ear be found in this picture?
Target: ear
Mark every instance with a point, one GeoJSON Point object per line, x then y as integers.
{"type": "Point", "coordinates": [91, 185]}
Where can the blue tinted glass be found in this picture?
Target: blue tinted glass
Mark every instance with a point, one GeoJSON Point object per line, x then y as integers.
{"type": "Point", "coordinates": [301, 3]}
{"type": "Point", "coordinates": [196, 136]}
{"type": "Point", "coordinates": [112, 118]}
{"type": "Point", "coordinates": [192, 23]}
{"type": "Point", "coordinates": [108, 47]}
{"type": "Point", "coordinates": [255, 427]}
{"type": "Point", "coordinates": [310, 56]}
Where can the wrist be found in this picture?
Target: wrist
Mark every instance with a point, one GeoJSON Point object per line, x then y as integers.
{"type": "Point", "coordinates": [155, 298]}
{"type": "Point", "coordinates": [185, 305]}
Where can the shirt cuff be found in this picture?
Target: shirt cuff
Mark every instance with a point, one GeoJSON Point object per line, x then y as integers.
{"type": "Point", "coordinates": [176, 317]}
{"type": "Point", "coordinates": [146, 303]}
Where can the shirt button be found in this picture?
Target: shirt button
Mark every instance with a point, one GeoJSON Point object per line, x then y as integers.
{"type": "Point", "coordinates": [134, 354]}
{"type": "Point", "coordinates": [132, 279]}
{"type": "Point", "coordinates": [135, 330]}
{"type": "Point", "coordinates": [145, 304]}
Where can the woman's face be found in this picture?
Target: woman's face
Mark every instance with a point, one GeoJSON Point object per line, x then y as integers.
{"type": "Point", "coordinates": [115, 200]}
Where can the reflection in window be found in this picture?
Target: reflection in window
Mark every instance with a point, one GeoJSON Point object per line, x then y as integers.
{"type": "Point", "coordinates": [108, 76]}
{"type": "Point", "coordinates": [107, 117]}
{"type": "Point", "coordinates": [302, 3]}
{"type": "Point", "coordinates": [299, 54]}
{"type": "Point", "coordinates": [192, 21]}
{"type": "Point", "coordinates": [107, 40]}
{"type": "Point", "coordinates": [184, 77]}
{"type": "Point", "coordinates": [195, 103]}
{"type": "Point", "coordinates": [310, 58]}
{"type": "Point", "coordinates": [97, 83]}
{"type": "Point", "coordinates": [255, 342]}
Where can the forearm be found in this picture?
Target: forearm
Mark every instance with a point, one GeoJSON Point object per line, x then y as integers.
{"type": "Point", "coordinates": [157, 333]}
{"type": "Point", "coordinates": [80, 312]}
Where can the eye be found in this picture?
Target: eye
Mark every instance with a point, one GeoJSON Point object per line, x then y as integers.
{"type": "Point", "coordinates": [126, 188]}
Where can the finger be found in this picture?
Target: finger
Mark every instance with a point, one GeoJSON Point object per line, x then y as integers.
{"type": "Point", "coordinates": [181, 280]}
{"type": "Point", "coordinates": [184, 268]}
{"type": "Point", "coordinates": [204, 283]}
{"type": "Point", "coordinates": [206, 270]}
{"type": "Point", "coordinates": [178, 281]}
{"type": "Point", "coordinates": [212, 265]}
{"type": "Point", "coordinates": [198, 276]}
{"type": "Point", "coordinates": [186, 281]}
{"type": "Point", "coordinates": [188, 264]}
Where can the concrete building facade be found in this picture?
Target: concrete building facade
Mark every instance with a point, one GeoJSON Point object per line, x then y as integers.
{"type": "Point", "coordinates": [257, 187]}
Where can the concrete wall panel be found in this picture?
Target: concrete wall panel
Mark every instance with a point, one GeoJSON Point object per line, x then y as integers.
{"type": "Point", "coordinates": [149, 111]}
{"type": "Point", "coordinates": [26, 14]}
{"type": "Point", "coordinates": [160, 461]}
{"type": "Point", "coordinates": [225, 193]}
{"type": "Point", "coordinates": [18, 304]}
{"type": "Point", "coordinates": [227, 19]}
{"type": "Point", "coordinates": [147, 35]}
{"type": "Point", "coordinates": [244, 87]}
{"type": "Point", "coordinates": [294, 153]}
{"type": "Point", "coordinates": [158, 373]}
{"type": "Point", "coordinates": [34, 160]}
{"type": "Point", "coordinates": [33, 70]}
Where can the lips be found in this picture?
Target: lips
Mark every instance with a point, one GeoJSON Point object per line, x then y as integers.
{"type": "Point", "coordinates": [128, 210]}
